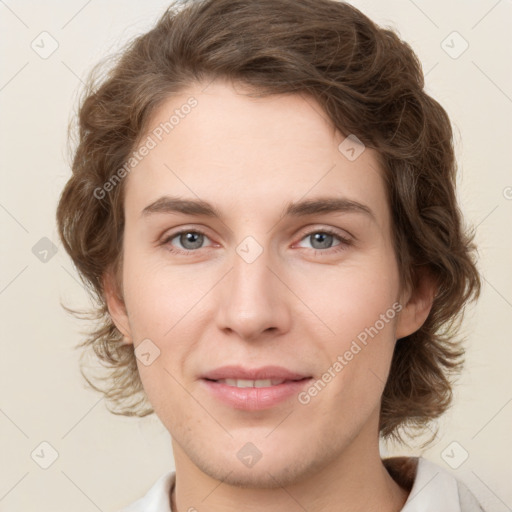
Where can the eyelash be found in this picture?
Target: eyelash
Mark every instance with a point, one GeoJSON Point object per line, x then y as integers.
{"type": "Point", "coordinates": [344, 242]}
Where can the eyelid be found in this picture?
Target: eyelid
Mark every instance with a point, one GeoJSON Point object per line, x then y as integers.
{"type": "Point", "coordinates": [177, 230]}
{"type": "Point", "coordinates": [344, 243]}
{"type": "Point", "coordinates": [342, 234]}
{"type": "Point", "coordinates": [169, 235]}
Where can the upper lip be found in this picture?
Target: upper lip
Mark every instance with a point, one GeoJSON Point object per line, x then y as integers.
{"type": "Point", "coordinates": [264, 372]}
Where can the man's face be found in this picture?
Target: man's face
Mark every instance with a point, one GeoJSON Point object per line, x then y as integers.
{"type": "Point", "coordinates": [257, 290]}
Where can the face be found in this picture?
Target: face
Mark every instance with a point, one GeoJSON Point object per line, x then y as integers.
{"type": "Point", "coordinates": [260, 285]}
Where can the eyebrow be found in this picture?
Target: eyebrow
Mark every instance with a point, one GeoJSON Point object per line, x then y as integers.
{"type": "Point", "coordinates": [198, 207]}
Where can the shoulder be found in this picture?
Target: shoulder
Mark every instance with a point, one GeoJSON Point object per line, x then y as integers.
{"type": "Point", "coordinates": [157, 499]}
{"type": "Point", "coordinates": [430, 486]}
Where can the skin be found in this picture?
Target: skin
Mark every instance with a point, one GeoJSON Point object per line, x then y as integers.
{"type": "Point", "coordinates": [300, 304]}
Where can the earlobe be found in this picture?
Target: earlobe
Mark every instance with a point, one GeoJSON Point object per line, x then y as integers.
{"type": "Point", "coordinates": [116, 306]}
{"type": "Point", "coordinates": [418, 305]}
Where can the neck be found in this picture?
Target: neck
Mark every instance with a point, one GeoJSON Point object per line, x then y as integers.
{"type": "Point", "coordinates": [355, 481]}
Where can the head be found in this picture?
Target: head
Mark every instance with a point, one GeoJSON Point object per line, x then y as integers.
{"type": "Point", "coordinates": [267, 183]}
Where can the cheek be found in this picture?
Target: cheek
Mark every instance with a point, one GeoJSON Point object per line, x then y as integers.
{"type": "Point", "coordinates": [358, 357]}
{"type": "Point", "coordinates": [159, 297]}
{"type": "Point", "coordinates": [163, 308]}
{"type": "Point", "coordinates": [350, 299]}
{"type": "Point", "coordinates": [359, 305]}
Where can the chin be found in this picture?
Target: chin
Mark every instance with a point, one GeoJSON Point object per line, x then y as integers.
{"type": "Point", "coordinates": [267, 473]}
{"type": "Point", "coordinates": [264, 477]}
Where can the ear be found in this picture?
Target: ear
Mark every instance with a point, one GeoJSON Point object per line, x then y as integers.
{"type": "Point", "coordinates": [418, 303]}
{"type": "Point", "coordinates": [116, 306]}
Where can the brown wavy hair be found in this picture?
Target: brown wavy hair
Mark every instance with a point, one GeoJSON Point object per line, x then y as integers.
{"type": "Point", "coordinates": [369, 83]}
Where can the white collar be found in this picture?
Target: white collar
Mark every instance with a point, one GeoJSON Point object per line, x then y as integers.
{"type": "Point", "coordinates": [433, 489]}
{"type": "Point", "coordinates": [157, 499]}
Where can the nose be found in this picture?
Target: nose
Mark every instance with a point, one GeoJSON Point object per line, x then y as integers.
{"type": "Point", "coordinates": [253, 302]}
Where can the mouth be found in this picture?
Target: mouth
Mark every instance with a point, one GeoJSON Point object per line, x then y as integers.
{"type": "Point", "coordinates": [253, 389]}
{"type": "Point", "coordinates": [262, 374]}
{"type": "Point", "coordinates": [259, 383]}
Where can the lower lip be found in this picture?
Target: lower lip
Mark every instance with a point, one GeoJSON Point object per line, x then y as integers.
{"type": "Point", "coordinates": [255, 399]}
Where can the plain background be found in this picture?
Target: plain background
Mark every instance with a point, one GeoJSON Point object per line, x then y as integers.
{"type": "Point", "coordinates": [106, 461]}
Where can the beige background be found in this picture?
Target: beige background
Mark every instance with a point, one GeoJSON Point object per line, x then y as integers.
{"type": "Point", "coordinates": [106, 461]}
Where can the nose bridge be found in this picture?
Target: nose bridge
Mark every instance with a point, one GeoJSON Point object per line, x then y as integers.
{"type": "Point", "coordinates": [251, 278]}
{"type": "Point", "coordinates": [251, 302]}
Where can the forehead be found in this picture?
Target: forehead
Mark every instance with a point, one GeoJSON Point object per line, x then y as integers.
{"type": "Point", "coordinates": [240, 152]}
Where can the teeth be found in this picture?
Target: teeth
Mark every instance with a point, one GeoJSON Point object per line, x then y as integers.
{"type": "Point", "coordinates": [243, 383]}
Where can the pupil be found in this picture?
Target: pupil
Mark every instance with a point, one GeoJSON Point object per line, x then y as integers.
{"type": "Point", "coordinates": [191, 240]}
{"type": "Point", "coordinates": [324, 239]}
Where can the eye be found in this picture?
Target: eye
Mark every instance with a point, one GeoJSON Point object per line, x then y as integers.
{"type": "Point", "coordinates": [325, 239]}
{"type": "Point", "coordinates": [186, 241]}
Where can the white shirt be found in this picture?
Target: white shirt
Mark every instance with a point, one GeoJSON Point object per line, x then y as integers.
{"type": "Point", "coordinates": [433, 489]}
